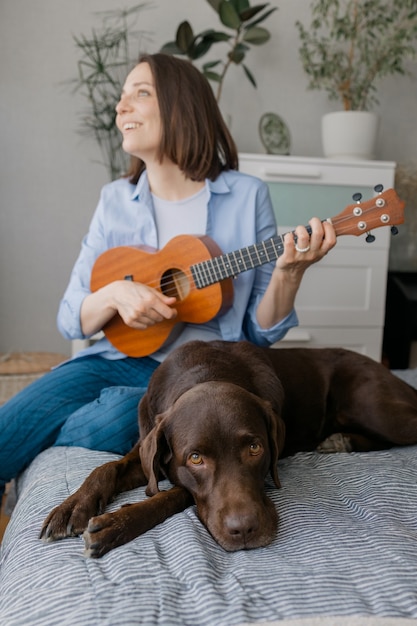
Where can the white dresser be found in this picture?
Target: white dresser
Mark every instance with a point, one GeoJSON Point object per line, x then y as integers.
{"type": "Point", "coordinates": [341, 301]}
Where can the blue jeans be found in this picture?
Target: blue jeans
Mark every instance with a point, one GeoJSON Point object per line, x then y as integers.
{"type": "Point", "coordinates": [90, 402]}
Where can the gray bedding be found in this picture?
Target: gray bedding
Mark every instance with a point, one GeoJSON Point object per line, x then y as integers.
{"type": "Point", "coordinates": [346, 546]}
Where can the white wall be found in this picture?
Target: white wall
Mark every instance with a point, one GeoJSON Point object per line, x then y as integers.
{"type": "Point", "coordinates": [49, 183]}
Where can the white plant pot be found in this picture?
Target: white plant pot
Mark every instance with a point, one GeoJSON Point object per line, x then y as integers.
{"type": "Point", "coordinates": [349, 135]}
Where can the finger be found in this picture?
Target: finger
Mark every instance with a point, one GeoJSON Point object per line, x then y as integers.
{"type": "Point", "coordinates": [329, 233]}
{"type": "Point", "coordinates": [301, 239]}
{"type": "Point", "coordinates": [317, 233]}
{"type": "Point", "coordinates": [289, 243]}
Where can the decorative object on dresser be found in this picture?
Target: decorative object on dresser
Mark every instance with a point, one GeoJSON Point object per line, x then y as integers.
{"type": "Point", "coordinates": [274, 134]}
{"type": "Point", "coordinates": [239, 17]}
{"type": "Point", "coordinates": [345, 51]}
{"type": "Point", "coordinates": [343, 301]}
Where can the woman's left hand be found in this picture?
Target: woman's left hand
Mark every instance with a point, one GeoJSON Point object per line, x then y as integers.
{"type": "Point", "coordinates": [306, 249]}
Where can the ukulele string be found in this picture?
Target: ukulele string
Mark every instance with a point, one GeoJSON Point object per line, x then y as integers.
{"type": "Point", "coordinates": [168, 282]}
{"type": "Point", "coordinates": [343, 228]}
{"type": "Point", "coordinates": [343, 224]}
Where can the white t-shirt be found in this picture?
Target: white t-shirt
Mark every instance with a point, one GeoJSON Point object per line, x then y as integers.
{"type": "Point", "coordinates": [184, 217]}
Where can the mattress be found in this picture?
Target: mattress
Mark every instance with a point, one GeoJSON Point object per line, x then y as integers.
{"type": "Point", "coordinates": [345, 550]}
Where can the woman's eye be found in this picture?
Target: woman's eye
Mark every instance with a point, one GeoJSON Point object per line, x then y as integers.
{"type": "Point", "coordinates": [255, 448]}
{"type": "Point", "coordinates": [142, 93]}
{"type": "Point", "coordinates": [196, 459]}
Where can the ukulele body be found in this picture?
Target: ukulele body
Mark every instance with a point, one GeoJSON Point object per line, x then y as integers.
{"type": "Point", "coordinates": [168, 271]}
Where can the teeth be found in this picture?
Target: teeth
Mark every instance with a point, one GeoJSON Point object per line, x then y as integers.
{"type": "Point", "coordinates": [131, 125]}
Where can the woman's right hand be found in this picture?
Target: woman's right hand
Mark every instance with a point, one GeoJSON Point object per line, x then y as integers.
{"type": "Point", "coordinates": [141, 306]}
{"type": "Point", "coordinates": [138, 305]}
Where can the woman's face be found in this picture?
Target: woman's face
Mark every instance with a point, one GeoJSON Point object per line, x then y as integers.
{"type": "Point", "coordinates": [138, 117]}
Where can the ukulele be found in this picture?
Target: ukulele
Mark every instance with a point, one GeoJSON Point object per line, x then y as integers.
{"type": "Point", "coordinates": [194, 270]}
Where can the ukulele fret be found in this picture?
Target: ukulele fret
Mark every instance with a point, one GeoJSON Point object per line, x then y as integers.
{"type": "Point", "coordinates": [235, 263]}
{"type": "Point", "coordinates": [208, 274]}
{"type": "Point", "coordinates": [229, 265]}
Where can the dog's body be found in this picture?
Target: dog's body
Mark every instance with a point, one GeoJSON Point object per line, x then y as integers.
{"type": "Point", "coordinates": [214, 421]}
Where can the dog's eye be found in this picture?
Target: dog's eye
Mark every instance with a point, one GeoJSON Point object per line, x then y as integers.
{"type": "Point", "coordinates": [195, 458]}
{"type": "Point", "coordinates": [255, 448]}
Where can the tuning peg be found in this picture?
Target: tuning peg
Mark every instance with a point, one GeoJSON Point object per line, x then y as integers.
{"type": "Point", "coordinates": [379, 188]}
{"type": "Point", "coordinates": [394, 230]}
{"type": "Point", "coordinates": [370, 238]}
{"type": "Point", "coordinates": [357, 197]}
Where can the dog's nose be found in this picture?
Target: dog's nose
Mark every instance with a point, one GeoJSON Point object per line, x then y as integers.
{"type": "Point", "coordinates": [241, 526]}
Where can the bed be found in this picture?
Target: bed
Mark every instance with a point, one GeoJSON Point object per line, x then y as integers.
{"type": "Point", "coordinates": [345, 552]}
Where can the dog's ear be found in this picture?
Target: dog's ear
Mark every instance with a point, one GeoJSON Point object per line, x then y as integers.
{"type": "Point", "coordinates": [276, 431]}
{"type": "Point", "coordinates": [154, 451]}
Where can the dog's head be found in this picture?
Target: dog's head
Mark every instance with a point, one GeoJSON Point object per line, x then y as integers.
{"type": "Point", "coordinates": [219, 441]}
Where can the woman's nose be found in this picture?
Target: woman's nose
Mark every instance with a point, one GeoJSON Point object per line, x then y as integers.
{"type": "Point", "coordinates": [123, 104]}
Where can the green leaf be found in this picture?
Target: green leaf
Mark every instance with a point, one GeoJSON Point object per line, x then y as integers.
{"type": "Point", "coordinates": [210, 64]}
{"type": "Point", "coordinates": [240, 5]}
{"type": "Point", "coordinates": [256, 35]}
{"type": "Point", "coordinates": [170, 48]}
{"type": "Point", "coordinates": [249, 75]}
{"type": "Point", "coordinates": [213, 76]}
{"type": "Point", "coordinates": [237, 54]}
{"type": "Point", "coordinates": [215, 4]}
{"type": "Point", "coordinates": [215, 36]}
{"type": "Point", "coordinates": [199, 48]}
{"type": "Point", "coordinates": [249, 13]}
{"type": "Point", "coordinates": [185, 36]}
{"type": "Point", "coordinates": [228, 15]}
{"type": "Point", "coordinates": [261, 18]}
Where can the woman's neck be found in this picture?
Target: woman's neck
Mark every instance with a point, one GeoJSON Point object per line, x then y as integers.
{"type": "Point", "coordinates": [168, 182]}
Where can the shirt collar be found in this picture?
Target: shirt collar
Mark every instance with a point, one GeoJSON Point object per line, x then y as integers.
{"type": "Point", "coordinates": [143, 193]}
{"type": "Point", "coordinates": [219, 185]}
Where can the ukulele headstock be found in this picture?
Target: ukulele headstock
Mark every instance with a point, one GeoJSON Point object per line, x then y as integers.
{"type": "Point", "coordinates": [385, 209]}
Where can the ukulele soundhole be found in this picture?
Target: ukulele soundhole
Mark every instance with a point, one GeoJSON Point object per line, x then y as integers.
{"type": "Point", "coordinates": [174, 283]}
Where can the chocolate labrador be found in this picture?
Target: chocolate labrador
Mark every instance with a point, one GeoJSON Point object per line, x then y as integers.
{"type": "Point", "coordinates": [214, 421]}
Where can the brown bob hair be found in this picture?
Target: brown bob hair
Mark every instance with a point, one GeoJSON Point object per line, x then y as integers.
{"type": "Point", "coordinates": [194, 134]}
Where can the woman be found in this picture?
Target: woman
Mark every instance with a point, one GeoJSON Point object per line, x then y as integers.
{"type": "Point", "coordinates": [183, 180]}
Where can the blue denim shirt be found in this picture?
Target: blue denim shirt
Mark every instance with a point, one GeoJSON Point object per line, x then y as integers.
{"type": "Point", "coordinates": [239, 214]}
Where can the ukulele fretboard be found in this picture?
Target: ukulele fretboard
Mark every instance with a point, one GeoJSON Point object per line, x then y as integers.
{"type": "Point", "coordinates": [231, 264]}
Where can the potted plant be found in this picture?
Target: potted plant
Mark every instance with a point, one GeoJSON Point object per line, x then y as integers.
{"type": "Point", "coordinates": [242, 20]}
{"type": "Point", "coordinates": [106, 56]}
{"type": "Point", "coordinates": [347, 49]}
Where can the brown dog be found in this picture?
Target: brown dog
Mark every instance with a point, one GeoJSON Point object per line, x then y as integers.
{"type": "Point", "coordinates": [214, 421]}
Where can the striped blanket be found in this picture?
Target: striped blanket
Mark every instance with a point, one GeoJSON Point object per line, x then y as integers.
{"type": "Point", "coordinates": [346, 546]}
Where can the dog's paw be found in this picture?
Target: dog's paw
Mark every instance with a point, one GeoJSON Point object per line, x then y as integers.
{"type": "Point", "coordinates": [338, 442]}
{"type": "Point", "coordinates": [69, 519]}
{"type": "Point", "coordinates": [102, 534]}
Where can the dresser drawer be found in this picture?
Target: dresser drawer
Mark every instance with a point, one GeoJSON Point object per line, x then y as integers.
{"type": "Point", "coordinates": [346, 288]}
{"type": "Point", "coordinates": [363, 340]}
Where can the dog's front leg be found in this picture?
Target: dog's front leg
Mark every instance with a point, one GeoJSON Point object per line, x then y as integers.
{"type": "Point", "coordinates": [110, 530]}
{"type": "Point", "coordinates": [70, 518]}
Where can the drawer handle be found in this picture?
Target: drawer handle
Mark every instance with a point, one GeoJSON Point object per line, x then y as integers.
{"type": "Point", "coordinates": [293, 173]}
{"type": "Point", "coordinates": [298, 336]}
